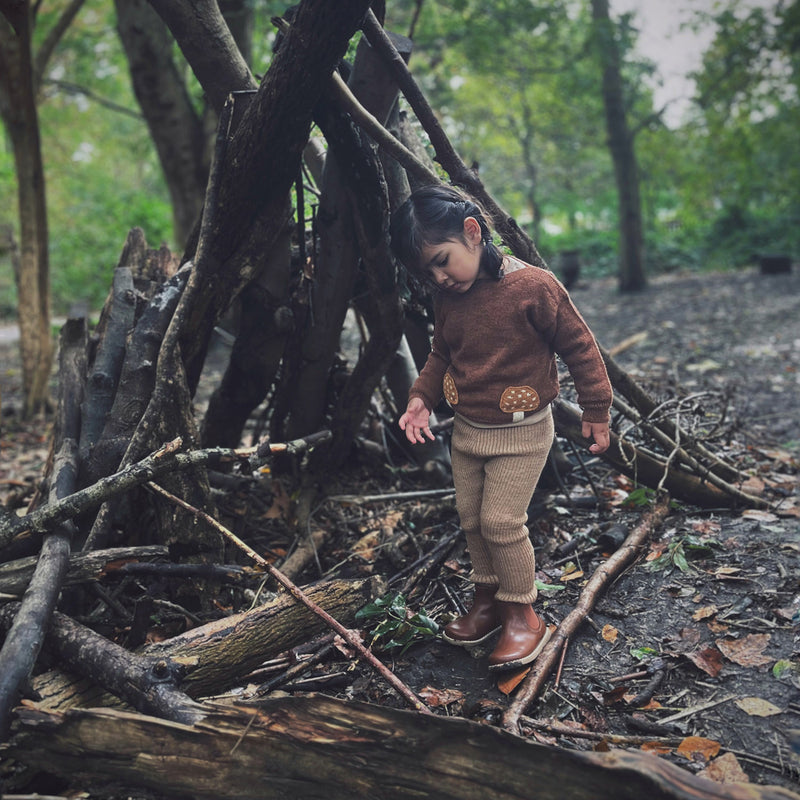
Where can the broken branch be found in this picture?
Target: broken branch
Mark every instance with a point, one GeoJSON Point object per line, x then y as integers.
{"type": "Point", "coordinates": [600, 580]}
{"type": "Point", "coordinates": [351, 639]}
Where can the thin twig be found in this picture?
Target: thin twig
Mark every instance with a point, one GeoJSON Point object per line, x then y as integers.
{"type": "Point", "coordinates": [301, 597]}
{"type": "Point", "coordinates": [559, 729]}
{"type": "Point", "coordinates": [165, 459]}
{"type": "Point", "coordinates": [688, 712]}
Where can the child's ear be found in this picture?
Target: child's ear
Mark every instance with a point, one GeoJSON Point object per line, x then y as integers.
{"type": "Point", "coordinates": [472, 230]}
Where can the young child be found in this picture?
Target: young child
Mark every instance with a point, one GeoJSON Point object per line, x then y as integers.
{"type": "Point", "coordinates": [498, 324]}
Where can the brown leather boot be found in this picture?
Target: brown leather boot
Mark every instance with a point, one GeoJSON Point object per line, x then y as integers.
{"type": "Point", "coordinates": [523, 638]}
{"type": "Point", "coordinates": [479, 623]}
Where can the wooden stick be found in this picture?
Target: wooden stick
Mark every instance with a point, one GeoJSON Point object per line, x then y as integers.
{"type": "Point", "coordinates": [303, 598]}
{"type": "Point", "coordinates": [599, 581]}
{"type": "Point", "coordinates": [559, 729]}
{"type": "Point", "coordinates": [24, 639]}
{"type": "Point", "coordinates": [165, 459]}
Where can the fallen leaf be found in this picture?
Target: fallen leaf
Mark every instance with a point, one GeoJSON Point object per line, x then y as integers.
{"type": "Point", "coordinates": [656, 549]}
{"type": "Point", "coordinates": [706, 365]}
{"type": "Point", "coordinates": [615, 696]}
{"type": "Point", "coordinates": [724, 572]}
{"type": "Point", "coordinates": [747, 651]}
{"type": "Point", "coordinates": [281, 503]}
{"type": "Point", "coordinates": [753, 485]}
{"type": "Point", "coordinates": [509, 682]}
{"type": "Point", "coordinates": [658, 748]}
{"type": "Point", "coordinates": [759, 515]}
{"type": "Point", "coordinates": [697, 748]}
{"type": "Point", "coordinates": [704, 613]}
{"type": "Point", "coordinates": [341, 644]}
{"type": "Point", "coordinates": [572, 576]}
{"type": "Point", "coordinates": [365, 546]}
{"type": "Point", "coordinates": [609, 633]}
{"type": "Point", "coordinates": [706, 526]}
{"type": "Point", "coordinates": [788, 511]}
{"type": "Point", "coordinates": [757, 707]}
{"type": "Point", "coordinates": [440, 698]}
{"type": "Point", "coordinates": [652, 705]}
{"type": "Point", "coordinates": [685, 640]}
{"type": "Point", "coordinates": [602, 747]}
{"type": "Point", "coordinates": [709, 660]}
{"type": "Point", "coordinates": [784, 456]}
{"type": "Point", "coordinates": [725, 769]}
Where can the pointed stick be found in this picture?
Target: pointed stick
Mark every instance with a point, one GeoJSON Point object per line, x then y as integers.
{"type": "Point", "coordinates": [303, 598]}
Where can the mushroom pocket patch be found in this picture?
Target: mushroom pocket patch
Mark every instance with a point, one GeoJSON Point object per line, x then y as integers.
{"type": "Point", "coordinates": [519, 398]}
{"type": "Point", "coordinates": [450, 391]}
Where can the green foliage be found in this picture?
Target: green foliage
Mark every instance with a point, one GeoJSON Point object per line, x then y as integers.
{"type": "Point", "coordinates": [679, 551]}
{"type": "Point", "coordinates": [548, 589]}
{"type": "Point", "coordinates": [640, 498]}
{"type": "Point", "coordinates": [392, 625]}
{"type": "Point", "coordinates": [643, 653]}
{"type": "Point", "coordinates": [518, 92]}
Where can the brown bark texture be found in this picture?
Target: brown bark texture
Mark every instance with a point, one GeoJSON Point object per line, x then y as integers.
{"type": "Point", "coordinates": [319, 747]}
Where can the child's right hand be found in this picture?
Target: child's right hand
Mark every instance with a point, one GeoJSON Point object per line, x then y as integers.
{"type": "Point", "coordinates": [415, 421]}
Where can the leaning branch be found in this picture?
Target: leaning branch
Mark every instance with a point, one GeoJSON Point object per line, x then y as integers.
{"type": "Point", "coordinates": [516, 239]}
{"type": "Point", "coordinates": [303, 598]}
{"type": "Point", "coordinates": [164, 460]}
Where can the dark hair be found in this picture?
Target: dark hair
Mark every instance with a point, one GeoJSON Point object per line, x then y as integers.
{"type": "Point", "coordinates": [433, 215]}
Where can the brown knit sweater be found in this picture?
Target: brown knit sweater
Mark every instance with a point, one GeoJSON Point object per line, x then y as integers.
{"type": "Point", "coordinates": [493, 352]}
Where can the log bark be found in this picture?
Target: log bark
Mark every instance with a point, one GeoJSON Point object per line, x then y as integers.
{"type": "Point", "coordinates": [210, 659]}
{"type": "Point", "coordinates": [177, 129]}
{"type": "Point", "coordinates": [226, 650]}
{"type": "Point", "coordinates": [148, 683]}
{"type": "Point", "coordinates": [321, 748]}
{"type": "Point", "coordinates": [24, 640]}
{"type": "Point", "coordinates": [337, 262]}
{"type": "Point", "coordinates": [642, 467]}
{"type": "Point", "coordinates": [83, 567]}
{"type": "Point", "coordinates": [106, 365]}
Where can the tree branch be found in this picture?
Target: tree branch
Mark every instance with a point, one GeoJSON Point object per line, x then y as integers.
{"type": "Point", "coordinates": [163, 461]}
{"type": "Point", "coordinates": [597, 584]}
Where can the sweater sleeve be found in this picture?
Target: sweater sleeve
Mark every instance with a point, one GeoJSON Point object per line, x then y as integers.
{"type": "Point", "coordinates": [563, 326]}
{"type": "Point", "coordinates": [428, 386]}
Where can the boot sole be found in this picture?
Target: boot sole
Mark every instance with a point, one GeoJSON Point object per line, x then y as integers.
{"type": "Point", "coordinates": [524, 660]}
{"type": "Point", "coordinates": [470, 642]}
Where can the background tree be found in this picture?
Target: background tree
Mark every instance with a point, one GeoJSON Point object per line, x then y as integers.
{"type": "Point", "coordinates": [744, 120]}
{"type": "Point", "coordinates": [21, 71]}
{"type": "Point", "coordinates": [621, 144]}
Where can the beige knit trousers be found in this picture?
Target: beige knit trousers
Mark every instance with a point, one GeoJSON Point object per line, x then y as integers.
{"type": "Point", "coordinates": [495, 471]}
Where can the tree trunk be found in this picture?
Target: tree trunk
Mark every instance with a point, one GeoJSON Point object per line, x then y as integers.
{"type": "Point", "coordinates": [337, 258]}
{"type": "Point", "coordinates": [175, 127]}
{"type": "Point", "coordinates": [620, 143]}
{"type": "Point", "coordinates": [18, 92]}
{"type": "Point", "coordinates": [320, 748]}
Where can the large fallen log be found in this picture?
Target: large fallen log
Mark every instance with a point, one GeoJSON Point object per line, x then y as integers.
{"type": "Point", "coordinates": [319, 747]}
{"type": "Point", "coordinates": [214, 657]}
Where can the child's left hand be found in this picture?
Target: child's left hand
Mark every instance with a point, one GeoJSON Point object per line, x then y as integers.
{"type": "Point", "coordinates": [599, 432]}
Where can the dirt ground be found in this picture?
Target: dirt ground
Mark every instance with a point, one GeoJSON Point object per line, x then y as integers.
{"type": "Point", "coordinates": [706, 623]}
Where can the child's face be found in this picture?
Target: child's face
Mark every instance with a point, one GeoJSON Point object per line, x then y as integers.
{"type": "Point", "coordinates": [454, 265]}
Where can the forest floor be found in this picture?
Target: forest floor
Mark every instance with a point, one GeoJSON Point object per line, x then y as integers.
{"type": "Point", "coordinates": [706, 623]}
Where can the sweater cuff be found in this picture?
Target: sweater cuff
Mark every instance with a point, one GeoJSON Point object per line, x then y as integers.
{"type": "Point", "coordinates": [595, 414]}
{"type": "Point", "coordinates": [422, 397]}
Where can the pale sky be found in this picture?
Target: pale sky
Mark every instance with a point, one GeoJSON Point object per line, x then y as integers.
{"type": "Point", "coordinates": [675, 51]}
